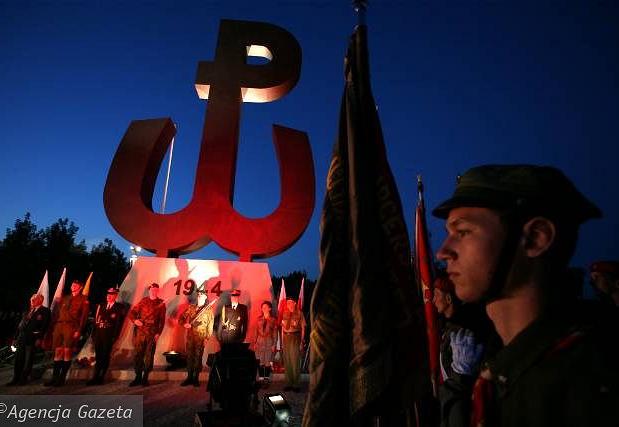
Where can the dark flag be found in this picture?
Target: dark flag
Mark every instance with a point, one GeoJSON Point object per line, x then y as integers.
{"type": "Point", "coordinates": [424, 271]}
{"type": "Point", "coordinates": [368, 353]}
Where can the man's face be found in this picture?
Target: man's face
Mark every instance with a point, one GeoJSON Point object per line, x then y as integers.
{"type": "Point", "coordinates": [201, 298]}
{"type": "Point", "coordinates": [111, 298]}
{"type": "Point", "coordinates": [75, 287]}
{"type": "Point", "coordinates": [291, 305]}
{"type": "Point", "coordinates": [474, 240]}
{"type": "Point", "coordinates": [153, 292]}
{"type": "Point", "coordinates": [440, 301]}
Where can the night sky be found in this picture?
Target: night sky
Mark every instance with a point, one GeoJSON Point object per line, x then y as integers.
{"type": "Point", "coordinates": [457, 83]}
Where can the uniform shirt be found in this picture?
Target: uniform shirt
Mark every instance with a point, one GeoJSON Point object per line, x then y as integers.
{"type": "Point", "coordinates": [73, 309]}
{"type": "Point", "coordinates": [151, 313]}
{"type": "Point", "coordinates": [201, 324]}
{"type": "Point", "coordinates": [562, 370]}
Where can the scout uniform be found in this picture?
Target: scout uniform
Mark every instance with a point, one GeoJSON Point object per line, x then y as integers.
{"type": "Point", "coordinates": [201, 320]}
{"type": "Point", "coordinates": [151, 312]}
{"type": "Point", "coordinates": [560, 370]}
{"type": "Point", "coordinates": [293, 327]}
{"type": "Point", "coordinates": [70, 316]}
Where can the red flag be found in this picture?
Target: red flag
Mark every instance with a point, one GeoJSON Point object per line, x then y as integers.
{"type": "Point", "coordinates": [367, 347]}
{"type": "Point", "coordinates": [424, 270]}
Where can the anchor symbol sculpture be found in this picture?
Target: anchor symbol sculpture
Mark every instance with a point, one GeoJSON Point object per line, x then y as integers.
{"type": "Point", "coordinates": [226, 82]}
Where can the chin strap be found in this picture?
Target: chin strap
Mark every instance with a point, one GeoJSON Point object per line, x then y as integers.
{"type": "Point", "coordinates": [504, 263]}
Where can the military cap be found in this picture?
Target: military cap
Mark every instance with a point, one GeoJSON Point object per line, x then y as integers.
{"type": "Point", "coordinates": [539, 189]}
{"type": "Point", "coordinates": [112, 291]}
{"type": "Point", "coordinates": [235, 292]}
{"type": "Point", "coordinates": [153, 285]}
{"type": "Point", "coordinates": [607, 267]}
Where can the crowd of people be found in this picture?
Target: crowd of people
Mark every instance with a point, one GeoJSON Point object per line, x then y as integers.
{"type": "Point", "coordinates": [66, 324]}
{"type": "Point", "coordinates": [518, 345]}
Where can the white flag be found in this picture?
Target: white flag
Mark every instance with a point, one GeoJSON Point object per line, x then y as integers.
{"type": "Point", "coordinates": [59, 288]}
{"type": "Point", "coordinates": [281, 306]}
{"type": "Point", "coordinates": [44, 290]}
{"type": "Point", "coordinates": [300, 303]}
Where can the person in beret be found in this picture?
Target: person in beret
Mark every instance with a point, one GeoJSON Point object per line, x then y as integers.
{"type": "Point", "coordinates": [109, 318]}
{"type": "Point", "coordinates": [233, 320]}
{"type": "Point", "coordinates": [605, 280]}
{"type": "Point", "coordinates": [511, 231]}
{"type": "Point", "coordinates": [148, 316]}
{"type": "Point", "coordinates": [68, 319]}
{"type": "Point", "coordinates": [198, 320]}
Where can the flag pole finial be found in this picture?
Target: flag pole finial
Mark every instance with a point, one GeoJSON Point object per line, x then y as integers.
{"type": "Point", "coordinates": [420, 187]}
{"type": "Point", "coordinates": [360, 7]}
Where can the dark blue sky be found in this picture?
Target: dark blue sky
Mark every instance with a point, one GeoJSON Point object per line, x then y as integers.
{"type": "Point", "coordinates": [457, 83]}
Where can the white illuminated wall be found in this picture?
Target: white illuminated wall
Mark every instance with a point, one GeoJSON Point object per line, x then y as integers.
{"type": "Point", "coordinates": [252, 278]}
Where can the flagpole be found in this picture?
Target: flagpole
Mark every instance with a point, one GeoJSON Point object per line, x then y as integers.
{"type": "Point", "coordinates": [360, 7]}
{"type": "Point", "coordinates": [167, 178]}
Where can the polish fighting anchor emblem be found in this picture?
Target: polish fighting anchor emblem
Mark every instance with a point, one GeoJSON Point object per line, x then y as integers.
{"type": "Point", "coordinates": [226, 82]}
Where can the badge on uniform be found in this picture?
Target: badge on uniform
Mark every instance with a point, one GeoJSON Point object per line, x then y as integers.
{"type": "Point", "coordinates": [238, 318]}
{"type": "Point", "coordinates": [113, 315]}
{"type": "Point", "coordinates": [39, 317]}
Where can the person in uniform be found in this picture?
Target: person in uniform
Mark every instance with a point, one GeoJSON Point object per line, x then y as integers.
{"type": "Point", "coordinates": [148, 316]}
{"type": "Point", "coordinates": [69, 318]}
{"type": "Point", "coordinates": [233, 321]}
{"type": "Point", "coordinates": [265, 341]}
{"type": "Point", "coordinates": [30, 333]}
{"type": "Point", "coordinates": [108, 322]}
{"type": "Point", "coordinates": [605, 280]}
{"type": "Point", "coordinates": [293, 335]}
{"type": "Point", "coordinates": [511, 231]}
{"type": "Point", "coordinates": [198, 320]}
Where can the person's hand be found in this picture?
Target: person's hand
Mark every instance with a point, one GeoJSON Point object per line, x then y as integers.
{"type": "Point", "coordinates": [187, 325]}
{"type": "Point", "coordinates": [156, 337]}
{"type": "Point", "coordinates": [466, 353]}
{"type": "Point", "coordinates": [76, 334]}
{"type": "Point", "coordinates": [138, 322]}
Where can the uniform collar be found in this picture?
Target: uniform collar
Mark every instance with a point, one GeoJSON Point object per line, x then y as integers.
{"type": "Point", "coordinates": [528, 347]}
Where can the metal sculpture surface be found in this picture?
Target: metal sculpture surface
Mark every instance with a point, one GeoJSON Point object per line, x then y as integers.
{"type": "Point", "coordinates": [226, 82]}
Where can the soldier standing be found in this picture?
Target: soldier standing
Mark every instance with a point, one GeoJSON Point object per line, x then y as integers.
{"type": "Point", "coordinates": [511, 231]}
{"type": "Point", "coordinates": [69, 318]}
{"type": "Point", "coordinates": [108, 322]}
{"type": "Point", "coordinates": [198, 320]}
{"type": "Point", "coordinates": [233, 322]}
{"type": "Point", "coordinates": [148, 316]}
{"type": "Point", "coordinates": [30, 332]}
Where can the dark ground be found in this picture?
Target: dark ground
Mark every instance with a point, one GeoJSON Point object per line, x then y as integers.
{"type": "Point", "coordinates": [165, 402]}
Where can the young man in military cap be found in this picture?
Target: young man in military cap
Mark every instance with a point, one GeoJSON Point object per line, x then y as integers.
{"type": "Point", "coordinates": [198, 320]}
{"type": "Point", "coordinates": [605, 281]}
{"type": "Point", "coordinates": [233, 321]}
{"type": "Point", "coordinates": [108, 322]}
{"type": "Point", "coordinates": [511, 231]}
{"type": "Point", "coordinates": [69, 318]}
{"type": "Point", "coordinates": [148, 316]}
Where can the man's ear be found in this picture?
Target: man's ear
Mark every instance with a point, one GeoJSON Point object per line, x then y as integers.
{"type": "Point", "coordinates": [448, 298]}
{"type": "Point", "coordinates": [539, 234]}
